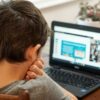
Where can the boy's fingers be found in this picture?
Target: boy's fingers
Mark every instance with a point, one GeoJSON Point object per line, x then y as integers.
{"type": "Point", "coordinates": [31, 75]}
{"type": "Point", "coordinates": [27, 77]}
{"type": "Point", "coordinates": [41, 59]}
{"type": "Point", "coordinates": [36, 70]}
{"type": "Point", "coordinates": [39, 64]}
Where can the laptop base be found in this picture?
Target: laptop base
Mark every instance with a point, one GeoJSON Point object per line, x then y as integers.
{"type": "Point", "coordinates": [73, 82]}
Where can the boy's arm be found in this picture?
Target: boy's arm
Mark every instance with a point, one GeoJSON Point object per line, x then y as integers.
{"type": "Point", "coordinates": [66, 93]}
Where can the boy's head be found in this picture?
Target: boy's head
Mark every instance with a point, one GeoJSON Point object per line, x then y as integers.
{"type": "Point", "coordinates": [21, 26]}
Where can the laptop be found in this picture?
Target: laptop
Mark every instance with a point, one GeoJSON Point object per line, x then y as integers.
{"type": "Point", "coordinates": [75, 57]}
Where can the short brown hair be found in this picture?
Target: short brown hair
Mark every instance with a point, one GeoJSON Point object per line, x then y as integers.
{"type": "Point", "coordinates": [21, 25]}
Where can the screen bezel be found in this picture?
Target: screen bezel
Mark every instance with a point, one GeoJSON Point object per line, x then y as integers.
{"type": "Point", "coordinates": [63, 64]}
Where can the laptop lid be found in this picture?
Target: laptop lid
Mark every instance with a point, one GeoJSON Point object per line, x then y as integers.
{"type": "Point", "coordinates": [75, 47]}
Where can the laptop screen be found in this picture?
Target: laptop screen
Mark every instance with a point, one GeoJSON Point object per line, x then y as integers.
{"type": "Point", "coordinates": [76, 45]}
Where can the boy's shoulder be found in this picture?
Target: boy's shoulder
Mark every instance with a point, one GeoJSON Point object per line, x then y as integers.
{"type": "Point", "coordinates": [34, 85]}
{"type": "Point", "coordinates": [41, 88]}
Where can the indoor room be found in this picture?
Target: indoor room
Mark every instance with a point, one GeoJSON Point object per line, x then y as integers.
{"type": "Point", "coordinates": [50, 49]}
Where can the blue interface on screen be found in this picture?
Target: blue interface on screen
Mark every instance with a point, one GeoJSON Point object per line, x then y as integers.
{"type": "Point", "coordinates": [77, 46]}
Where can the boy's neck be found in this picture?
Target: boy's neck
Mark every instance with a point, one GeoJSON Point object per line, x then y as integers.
{"type": "Point", "coordinates": [11, 72]}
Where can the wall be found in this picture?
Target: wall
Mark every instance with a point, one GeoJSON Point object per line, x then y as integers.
{"type": "Point", "coordinates": [66, 12]}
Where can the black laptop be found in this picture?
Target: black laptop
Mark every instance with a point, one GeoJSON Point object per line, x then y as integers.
{"type": "Point", "coordinates": [75, 57]}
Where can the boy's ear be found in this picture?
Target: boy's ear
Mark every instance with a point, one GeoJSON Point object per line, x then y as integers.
{"type": "Point", "coordinates": [33, 51]}
{"type": "Point", "coordinates": [37, 47]}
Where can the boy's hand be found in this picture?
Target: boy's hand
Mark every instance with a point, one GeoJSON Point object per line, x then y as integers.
{"type": "Point", "coordinates": [35, 70]}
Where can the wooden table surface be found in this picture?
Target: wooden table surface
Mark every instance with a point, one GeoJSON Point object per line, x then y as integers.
{"type": "Point", "coordinates": [95, 95]}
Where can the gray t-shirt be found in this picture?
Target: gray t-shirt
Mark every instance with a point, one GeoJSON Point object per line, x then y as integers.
{"type": "Point", "coordinates": [41, 88]}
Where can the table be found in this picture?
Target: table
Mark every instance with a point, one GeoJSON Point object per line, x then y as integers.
{"type": "Point", "coordinates": [93, 96]}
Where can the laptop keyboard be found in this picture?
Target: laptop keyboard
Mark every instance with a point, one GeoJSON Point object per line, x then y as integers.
{"type": "Point", "coordinates": [70, 78]}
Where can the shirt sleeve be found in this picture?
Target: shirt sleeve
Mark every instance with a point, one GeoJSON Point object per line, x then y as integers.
{"type": "Point", "coordinates": [53, 91]}
{"type": "Point", "coordinates": [44, 88]}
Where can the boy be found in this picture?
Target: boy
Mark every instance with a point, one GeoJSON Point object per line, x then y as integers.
{"type": "Point", "coordinates": [23, 33]}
